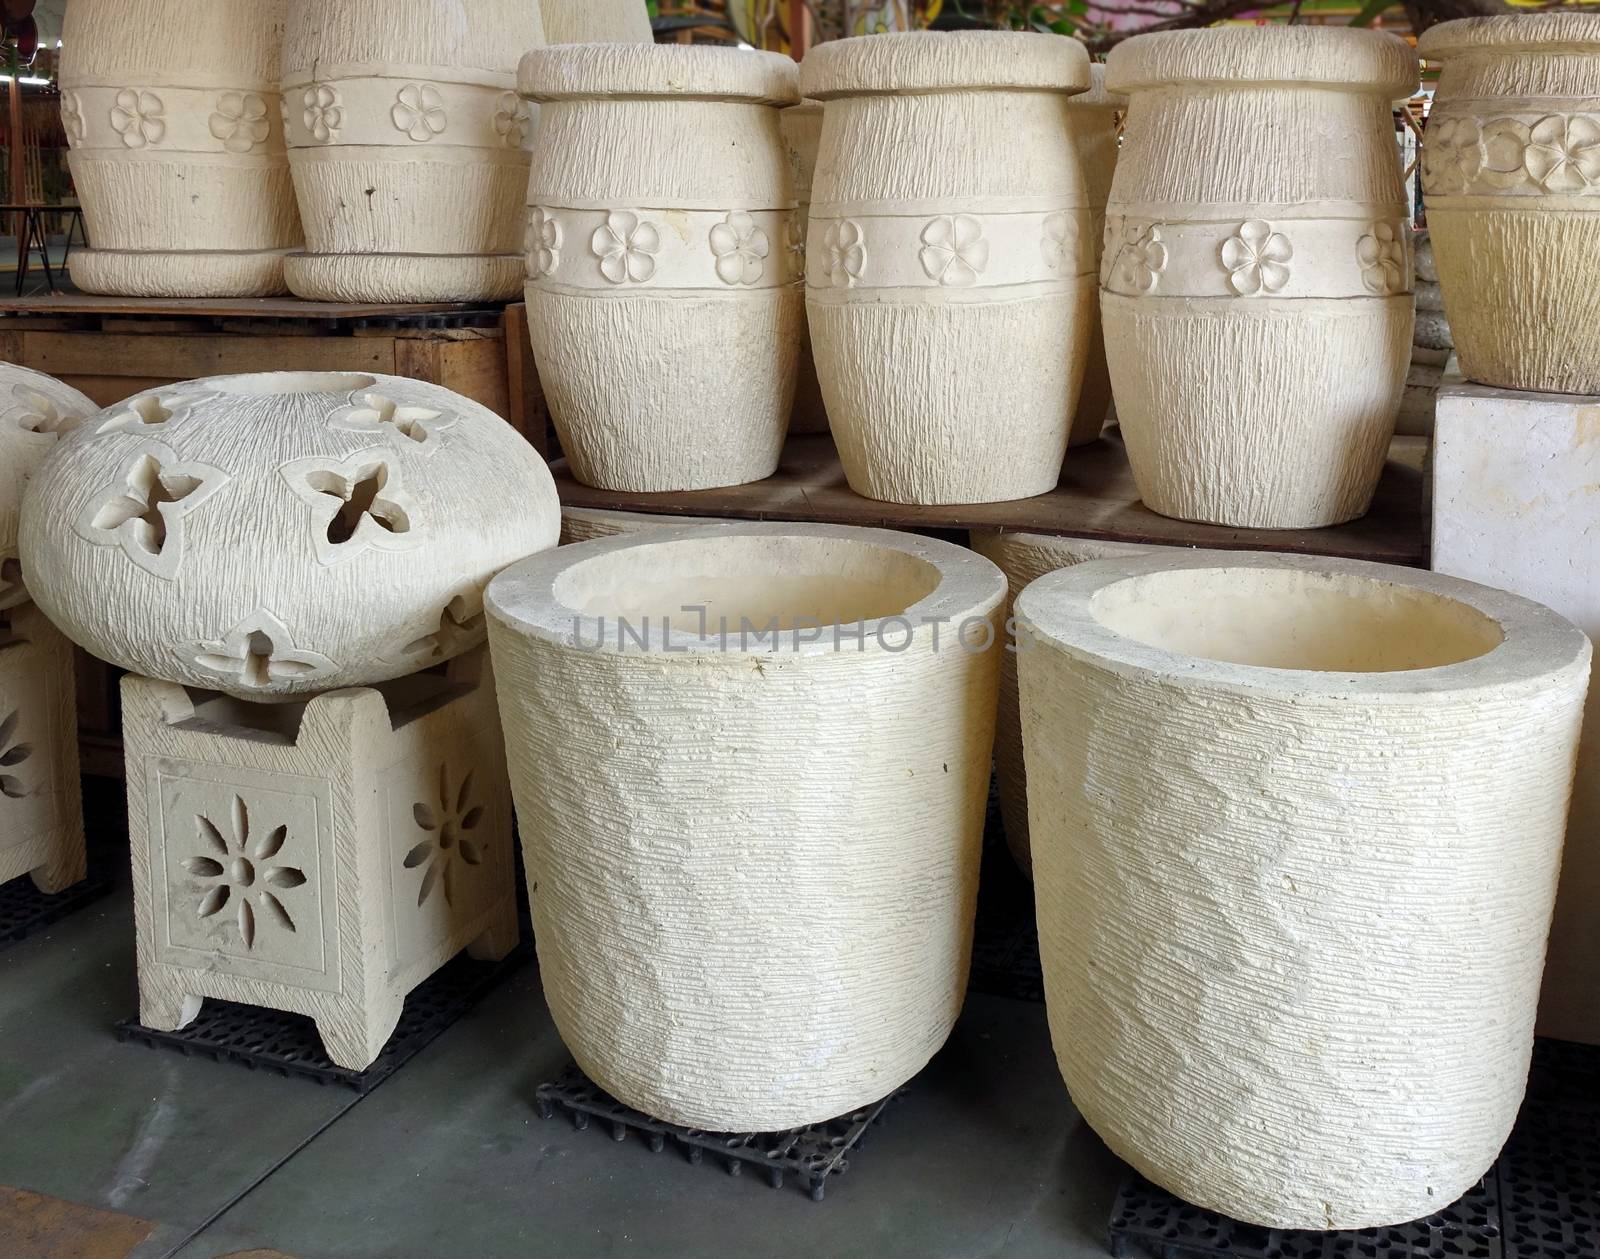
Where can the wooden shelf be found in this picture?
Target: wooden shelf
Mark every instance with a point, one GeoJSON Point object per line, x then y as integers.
{"type": "Point", "coordinates": [226, 307]}
{"type": "Point", "coordinates": [1095, 499]}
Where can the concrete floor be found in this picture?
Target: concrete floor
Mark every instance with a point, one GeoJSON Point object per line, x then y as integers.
{"type": "Point", "coordinates": [985, 1157]}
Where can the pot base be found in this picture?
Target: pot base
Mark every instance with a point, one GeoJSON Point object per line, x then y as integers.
{"type": "Point", "coordinates": [404, 277]}
{"type": "Point", "coordinates": [201, 273]}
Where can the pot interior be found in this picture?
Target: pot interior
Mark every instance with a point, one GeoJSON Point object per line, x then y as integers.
{"type": "Point", "coordinates": [1284, 618]}
{"type": "Point", "coordinates": [277, 384]}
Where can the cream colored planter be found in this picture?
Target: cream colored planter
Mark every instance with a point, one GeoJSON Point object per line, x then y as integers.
{"type": "Point", "coordinates": [281, 534]}
{"type": "Point", "coordinates": [1093, 119]}
{"type": "Point", "coordinates": [409, 147]}
{"type": "Point", "coordinates": [950, 261]}
{"type": "Point", "coordinates": [733, 936]}
{"type": "Point", "coordinates": [35, 411]}
{"type": "Point", "coordinates": [171, 111]}
{"type": "Point", "coordinates": [802, 136]}
{"type": "Point", "coordinates": [636, 245]}
{"type": "Point", "coordinates": [1024, 557]}
{"type": "Point", "coordinates": [1257, 211]}
{"type": "Point", "coordinates": [596, 22]}
{"type": "Point", "coordinates": [1511, 169]}
{"type": "Point", "coordinates": [1296, 828]}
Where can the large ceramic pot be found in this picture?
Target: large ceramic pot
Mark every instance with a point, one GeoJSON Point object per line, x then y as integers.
{"type": "Point", "coordinates": [733, 936]}
{"type": "Point", "coordinates": [35, 411]}
{"type": "Point", "coordinates": [596, 22]}
{"type": "Point", "coordinates": [277, 535]}
{"type": "Point", "coordinates": [409, 147]}
{"type": "Point", "coordinates": [1093, 119]}
{"type": "Point", "coordinates": [663, 302]}
{"type": "Point", "coordinates": [171, 113]}
{"type": "Point", "coordinates": [1258, 210]}
{"type": "Point", "coordinates": [801, 127]}
{"type": "Point", "coordinates": [1296, 829]}
{"type": "Point", "coordinates": [1511, 171]}
{"type": "Point", "coordinates": [950, 261]}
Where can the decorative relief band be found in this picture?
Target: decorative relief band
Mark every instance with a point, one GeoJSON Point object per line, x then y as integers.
{"type": "Point", "coordinates": [951, 251]}
{"type": "Point", "coordinates": [1281, 257]}
{"type": "Point", "coordinates": [174, 119]}
{"type": "Point", "coordinates": [616, 250]}
{"type": "Point", "coordinates": [382, 111]}
{"type": "Point", "coordinates": [1521, 153]}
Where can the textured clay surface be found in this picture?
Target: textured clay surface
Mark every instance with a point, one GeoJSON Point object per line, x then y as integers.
{"type": "Point", "coordinates": [596, 22]}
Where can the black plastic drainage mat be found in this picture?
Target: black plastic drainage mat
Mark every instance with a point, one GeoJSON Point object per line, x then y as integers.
{"type": "Point", "coordinates": [25, 910]}
{"type": "Point", "coordinates": [811, 1154]}
{"type": "Point", "coordinates": [1541, 1200]}
{"type": "Point", "coordinates": [271, 1040]}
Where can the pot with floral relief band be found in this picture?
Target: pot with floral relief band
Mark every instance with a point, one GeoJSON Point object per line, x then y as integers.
{"type": "Point", "coordinates": [409, 147]}
{"type": "Point", "coordinates": [664, 303]}
{"type": "Point", "coordinates": [171, 113]}
{"type": "Point", "coordinates": [1258, 210]}
{"type": "Point", "coordinates": [1511, 172]}
{"type": "Point", "coordinates": [950, 261]}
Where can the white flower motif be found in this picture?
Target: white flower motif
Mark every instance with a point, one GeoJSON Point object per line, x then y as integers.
{"type": "Point", "coordinates": [740, 247]}
{"type": "Point", "coordinates": [419, 112]}
{"type": "Point", "coordinates": [1382, 254]}
{"type": "Point", "coordinates": [1564, 153]}
{"type": "Point", "coordinates": [72, 118]}
{"type": "Point", "coordinates": [322, 113]}
{"type": "Point", "coordinates": [1060, 241]}
{"type": "Point", "coordinates": [511, 119]}
{"type": "Point", "coordinates": [542, 243]}
{"type": "Point", "coordinates": [1452, 155]}
{"type": "Point", "coordinates": [1257, 258]}
{"type": "Point", "coordinates": [408, 427]}
{"type": "Point", "coordinates": [1141, 257]}
{"type": "Point", "coordinates": [138, 117]}
{"type": "Point", "coordinates": [240, 121]}
{"type": "Point", "coordinates": [626, 248]}
{"type": "Point", "coordinates": [847, 253]}
{"type": "Point", "coordinates": [953, 250]}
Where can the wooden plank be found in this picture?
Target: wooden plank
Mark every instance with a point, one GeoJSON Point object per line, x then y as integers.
{"type": "Point", "coordinates": [107, 391]}
{"type": "Point", "coordinates": [225, 308]}
{"type": "Point", "coordinates": [186, 357]}
{"type": "Point", "coordinates": [1095, 499]}
{"type": "Point", "coordinates": [38, 1227]}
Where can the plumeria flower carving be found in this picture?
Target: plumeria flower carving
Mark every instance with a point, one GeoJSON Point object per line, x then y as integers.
{"type": "Point", "coordinates": [32, 412]}
{"type": "Point", "coordinates": [407, 427]}
{"type": "Point", "coordinates": [1563, 154]}
{"type": "Point", "coordinates": [419, 111]}
{"type": "Point", "coordinates": [542, 243]}
{"type": "Point", "coordinates": [259, 654]}
{"type": "Point", "coordinates": [146, 509]}
{"type": "Point", "coordinates": [139, 118]}
{"type": "Point", "coordinates": [12, 755]}
{"type": "Point", "coordinates": [1060, 241]}
{"type": "Point", "coordinates": [72, 118]}
{"type": "Point", "coordinates": [461, 625]}
{"type": "Point", "coordinates": [511, 119]}
{"type": "Point", "coordinates": [321, 112]}
{"type": "Point", "coordinates": [626, 247]}
{"type": "Point", "coordinates": [235, 870]}
{"type": "Point", "coordinates": [740, 247]}
{"type": "Point", "coordinates": [1140, 258]}
{"type": "Point", "coordinates": [846, 252]}
{"type": "Point", "coordinates": [451, 829]}
{"type": "Point", "coordinates": [1257, 258]}
{"type": "Point", "coordinates": [1452, 154]}
{"type": "Point", "coordinates": [1382, 254]}
{"type": "Point", "coordinates": [240, 121]}
{"type": "Point", "coordinates": [143, 415]}
{"type": "Point", "coordinates": [953, 250]}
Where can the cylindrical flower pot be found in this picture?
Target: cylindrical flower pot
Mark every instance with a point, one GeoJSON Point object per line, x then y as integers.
{"type": "Point", "coordinates": [732, 935]}
{"type": "Point", "coordinates": [409, 147]}
{"type": "Point", "coordinates": [950, 261]}
{"type": "Point", "coordinates": [1511, 171]}
{"type": "Point", "coordinates": [1296, 829]}
{"type": "Point", "coordinates": [596, 22]}
{"type": "Point", "coordinates": [35, 412]}
{"type": "Point", "coordinates": [1258, 210]}
{"type": "Point", "coordinates": [281, 534]}
{"type": "Point", "coordinates": [172, 116]}
{"type": "Point", "coordinates": [663, 303]}
{"type": "Point", "coordinates": [801, 127]}
{"type": "Point", "coordinates": [1093, 119]}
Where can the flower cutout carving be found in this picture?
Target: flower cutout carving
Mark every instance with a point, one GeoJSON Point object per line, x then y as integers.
{"type": "Point", "coordinates": [13, 594]}
{"type": "Point", "coordinates": [1257, 258]}
{"type": "Point", "coordinates": [246, 874]}
{"type": "Point", "coordinates": [419, 112]}
{"type": "Point", "coordinates": [452, 834]}
{"type": "Point", "coordinates": [240, 121]}
{"type": "Point", "coordinates": [1382, 254]}
{"type": "Point", "coordinates": [1140, 258]}
{"type": "Point", "coordinates": [846, 253]}
{"type": "Point", "coordinates": [1563, 154]}
{"type": "Point", "coordinates": [741, 249]}
{"type": "Point", "coordinates": [542, 243]}
{"type": "Point", "coordinates": [143, 415]}
{"type": "Point", "coordinates": [72, 118]}
{"type": "Point", "coordinates": [407, 427]}
{"type": "Point", "coordinates": [139, 118]}
{"type": "Point", "coordinates": [355, 505]}
{"type": "Point", "coordinates": [1452, 155]}
{"type": "Point", "coordinates": [259, 654]}
{"type": "Point", "coordinates": [626, 247]}
{"type": "Point", "coordinates": [146, 510]}
{"type": "Point", "coordinates": [953, 250]}
{"type": "Point", "coordinates": [511, 119]}
{"type": "Point", "coordinates": [1060, 242]}
{"type": "Point", "coordinates": [461, 625]}
{"type": "Point", "coordinates": [12, 755]}
{"type": "Point", "coordinates": [321, 112]}
{"type": "Point", "coordinates": [32, 412]}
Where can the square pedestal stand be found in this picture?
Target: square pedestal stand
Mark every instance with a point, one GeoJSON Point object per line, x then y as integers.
{"type": "Point", "coordinates": [321, 858]}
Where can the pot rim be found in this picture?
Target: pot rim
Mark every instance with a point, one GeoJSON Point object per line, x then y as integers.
{"type": "Point", "coordinates": [565, 72]}
{"type": "Point", "coordinates": [1288, 56]}
{"type": "Point", "coordinates": [1533, 32]}
{"type": "Point", "coordinates": [910, 63]}
{"type": "Point", "coordinates": [523, 600]}
{"type": "Point", "coordinates": [1537, 643]}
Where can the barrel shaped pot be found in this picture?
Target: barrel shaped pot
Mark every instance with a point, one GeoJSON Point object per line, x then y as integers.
{"type": "Point", "coordinates": [596, 22]}
{"type": "Point", "coordinates": [664, 304]}
{"type": "Point", "coordinates": [172, 117]}
{"type": "Point", "coordinates": [1296, 828]}
{"type": "Point", "coordinates": [1093, 119]}
{"type": "Point", "coordinates": [1258, 210]}
{"type": "Point", "coordinates": [801, 127]}
{"type": "Point", "coordinates": [35, 412]}
{"type": "Point", "coordinates": [277, 535]}
{"type": "Point", "coordinates": [950, 261]}
{"type": "Point", "coordinates": [1511, 170]}
{"type": "Point", "coordinates": [409, 147]}
{"type": "Point", "coordinates": [733, 936]}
